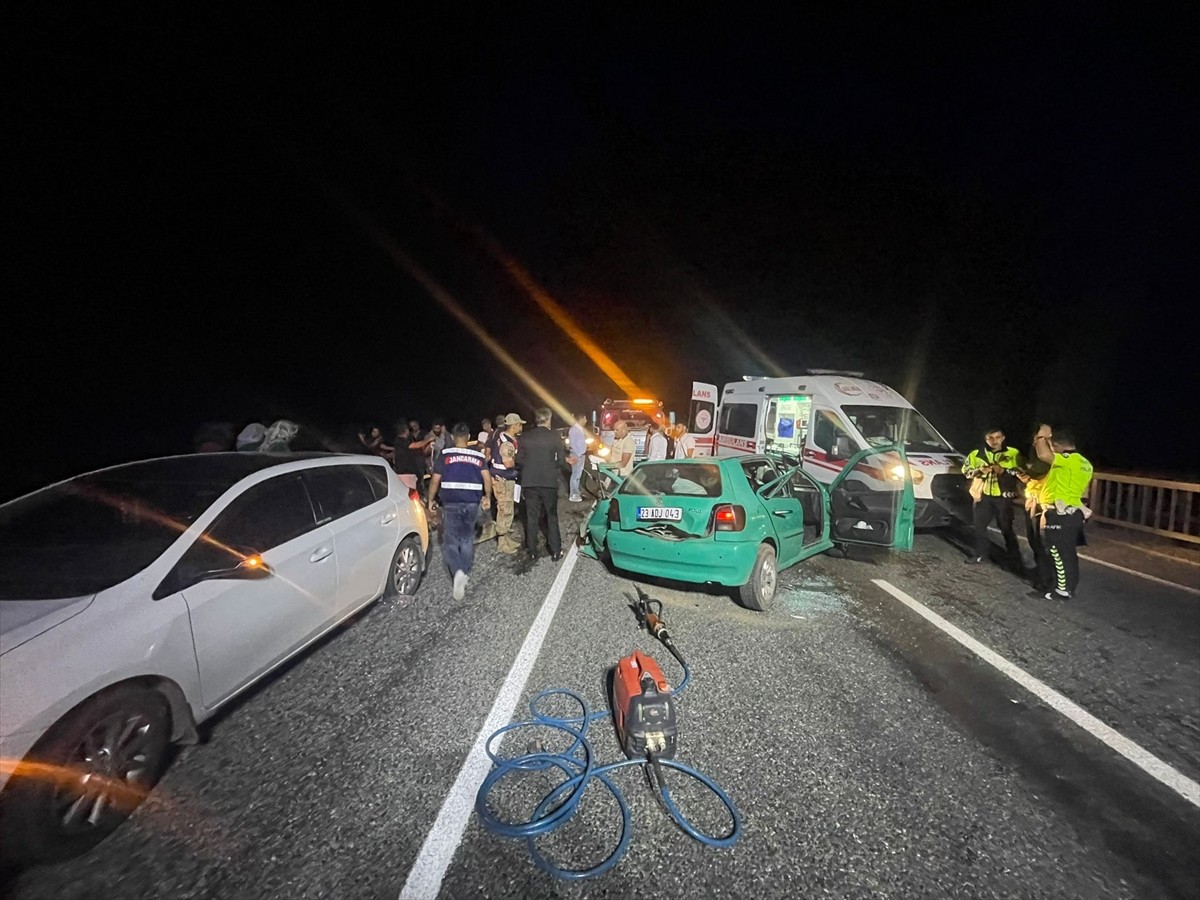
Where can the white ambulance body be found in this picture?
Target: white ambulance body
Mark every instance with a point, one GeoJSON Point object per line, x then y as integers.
{"type": "Point", "coordinates": [823, 418]}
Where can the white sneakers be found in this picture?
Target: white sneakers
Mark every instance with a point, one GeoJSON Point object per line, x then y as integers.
{"type": "Point", "coordinates": [460, 584]}
{"type": "Point", "coordinates": [575, 498]}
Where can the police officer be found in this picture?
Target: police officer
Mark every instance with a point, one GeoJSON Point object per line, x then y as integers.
{"type": "Point", "coordinates": [503, 467]}
{"type": "Point", "coordinates": [995, 465]}
{"type": "Point", "coordinates": [1032, 477]}
{"type": "Point", "coordinates": [1061, 499]}
{"type": "Point", "coordinates": [461, 479]}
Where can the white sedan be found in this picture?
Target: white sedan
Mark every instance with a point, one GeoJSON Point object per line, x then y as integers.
{"type": "Point", "coordinates": [137, 600]}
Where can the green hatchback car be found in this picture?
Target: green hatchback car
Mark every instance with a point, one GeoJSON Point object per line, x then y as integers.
{"type": "Point", "coordinates": [736, 521]}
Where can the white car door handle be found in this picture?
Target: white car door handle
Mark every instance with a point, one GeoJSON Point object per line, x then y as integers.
{"type": "Point", "coordinates": [388, 518]}
{"type": "Point", "coordinates": [320, 553]}
{"type": "Point", "coordinates": [782, 513]}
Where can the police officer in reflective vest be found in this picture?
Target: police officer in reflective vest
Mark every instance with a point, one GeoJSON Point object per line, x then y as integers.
{"type": "Point", "coordinates": [993, 469]}
{"type": "Point", "coordinates": [1032, 477]}
{"type": "Point", "coordinates": [503, 466]}
{"type": "Point", "coordinates": [1061, 500]}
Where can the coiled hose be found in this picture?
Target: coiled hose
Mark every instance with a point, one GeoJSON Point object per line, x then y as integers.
{"type": "Point", "coordinates": [557, 807]}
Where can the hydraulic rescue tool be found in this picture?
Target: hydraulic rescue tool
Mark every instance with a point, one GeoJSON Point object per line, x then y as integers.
{"type": "Point", "coordinates": [643, 704]}
{"type": "Point", "coordinates": [643, 709]}
{"type": "Point", "coordinates": [644, 715]}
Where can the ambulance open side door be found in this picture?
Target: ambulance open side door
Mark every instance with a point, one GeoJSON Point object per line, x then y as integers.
{"type": "Point", "coordinates": [785, 423]}
{"type": "Point", "coordinates": [702, 418]}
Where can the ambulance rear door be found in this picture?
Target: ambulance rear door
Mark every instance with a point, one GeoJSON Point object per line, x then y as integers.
{"type": "Point", "coordinates": [702, 418]}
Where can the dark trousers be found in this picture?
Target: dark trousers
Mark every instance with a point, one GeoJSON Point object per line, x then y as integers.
{"type": "Point", "coordinates": [1061, 536]}
{"type": "Point", "coordinates": [1001, 509]}
{"type": "Point", "coordinates": [1033, 531]}
{"type": "Point", "coordinates": [458, 539]}
{"type": "Point", "coordinates": [541, 514]}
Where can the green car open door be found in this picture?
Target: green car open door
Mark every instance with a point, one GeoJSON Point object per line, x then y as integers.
{"type": "Point", "coordinates": [871, 500]}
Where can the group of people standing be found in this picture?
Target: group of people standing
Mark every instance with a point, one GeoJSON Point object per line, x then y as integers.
{"type": "Point", "coordinates": [663, 441]}
{"type": "Point", "coordinates": [1050, 482]}
{"type": "Point", "coordinates": [494, 471]}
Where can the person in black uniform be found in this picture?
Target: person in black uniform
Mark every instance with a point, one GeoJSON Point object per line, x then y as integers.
{"type": "Point", "coordinates": [541, 460]}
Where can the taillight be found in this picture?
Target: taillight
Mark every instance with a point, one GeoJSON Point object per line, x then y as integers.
{"type": "Point", "coordinates": [729, 517]}
{"type": "Point", "coordinates": [413, 495]}
{"type": "Point", "coordinates": [614, 511]}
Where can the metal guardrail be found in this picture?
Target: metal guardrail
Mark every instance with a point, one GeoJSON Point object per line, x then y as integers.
{"type": "Point", "coordinates": [1168, 508]}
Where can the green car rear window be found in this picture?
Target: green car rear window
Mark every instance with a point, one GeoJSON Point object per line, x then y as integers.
{"type": "Point", "coordinates": [676, 479]}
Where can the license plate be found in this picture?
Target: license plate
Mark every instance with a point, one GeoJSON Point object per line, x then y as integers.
{"type": "Point", "coordinates": [674, 513]}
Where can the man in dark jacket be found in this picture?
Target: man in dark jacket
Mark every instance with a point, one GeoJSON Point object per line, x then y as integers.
{"type": "Point", "coordinates": [541, 460]}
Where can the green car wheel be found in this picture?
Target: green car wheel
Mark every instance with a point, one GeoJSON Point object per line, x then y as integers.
{"type": "Point", "coordinates": [759, 591]}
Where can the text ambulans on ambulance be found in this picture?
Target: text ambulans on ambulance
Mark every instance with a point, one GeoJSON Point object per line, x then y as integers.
{"type": "Point", "coordinates": [823, 418]}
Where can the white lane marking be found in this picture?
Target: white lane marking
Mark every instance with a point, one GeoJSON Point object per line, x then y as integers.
{"type": "Point", "coordinates": [1101, 562]}
{"type": "Point", "coordinates": [1179, 559]}
{"type": "Point", "coordinates": [1155, 578]}
{"type": "Point", "coordinates": [425, 878]}
{"type": "Point", "coordinates": [1143, 759]}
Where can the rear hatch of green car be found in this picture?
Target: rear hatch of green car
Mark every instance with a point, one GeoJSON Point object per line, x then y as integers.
{"type": "Point", "coordinates": [672, 499]}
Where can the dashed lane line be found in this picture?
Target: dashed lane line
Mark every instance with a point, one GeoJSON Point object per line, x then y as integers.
{"type": "Point", "coordinates": [425, 878]}
{"type": "Point", "coordinates": [1140, 757]}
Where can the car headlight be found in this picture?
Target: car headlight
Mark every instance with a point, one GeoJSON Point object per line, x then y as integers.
{"type": "Point", "coordinates": [897, 473]}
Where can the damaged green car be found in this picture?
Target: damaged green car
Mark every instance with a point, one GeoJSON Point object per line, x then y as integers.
{"type": "Point", "coordinates": [736, 521]}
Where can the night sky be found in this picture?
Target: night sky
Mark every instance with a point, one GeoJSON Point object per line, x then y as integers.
{"type": "Point", "coordinates": [993, 213]}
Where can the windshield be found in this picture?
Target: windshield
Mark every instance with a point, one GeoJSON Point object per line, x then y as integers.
{"type": "Point", "coordinates": [674, 479]}
{"type": "Point", "coordinates": [93, 532]}
{"type": "Point", "coordinates": [635, 417]}
{"type": "Point", "coordinates": [894, 424]}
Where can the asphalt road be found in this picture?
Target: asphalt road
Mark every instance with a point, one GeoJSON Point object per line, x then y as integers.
{"type": "Point", "coordinates": [869, 754]}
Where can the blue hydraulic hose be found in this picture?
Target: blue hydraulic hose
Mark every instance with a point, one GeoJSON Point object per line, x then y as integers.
{"type": "Point", "coordinates": [557, 807]}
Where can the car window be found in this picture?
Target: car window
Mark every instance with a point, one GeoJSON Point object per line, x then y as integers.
{"type": "Point", "coordinates": [675, 479]}
{"type": "Point", "coordinates": [266, 515]}
{"type": "Point", "coordinates": [759, 472]}
{"type": "Point", "coordinates": [93, 532]}
{"type": "Point", "coordinates": [827, 428]}
{"type": "Point", "coordinates": [739, 419]}
{"type": "Point", "coordinates": [377, 476]}
{"type": "Point", "coordinates": [338, 490]}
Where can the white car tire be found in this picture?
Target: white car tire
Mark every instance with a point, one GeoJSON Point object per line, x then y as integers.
{"type": "Point", "coordinates": [407, 569]}
{"type": "Point", "coordinates": [86, 775]}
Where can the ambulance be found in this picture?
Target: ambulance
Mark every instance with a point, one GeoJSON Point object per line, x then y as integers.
{"type": "Point", "coordinates": [822, 418]}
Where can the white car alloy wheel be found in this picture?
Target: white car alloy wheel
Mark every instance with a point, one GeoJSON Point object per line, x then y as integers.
{"type": "Point", "coordinates": [407, 567]}
{"type": "Point", "coordinates": [90, 771]}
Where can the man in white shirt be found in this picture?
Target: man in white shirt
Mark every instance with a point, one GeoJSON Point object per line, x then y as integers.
{"type": "Point", "coordinates": [485, 435]}
{"type": "Point", "coordinates": [623, 449]}
{"type": "Point", "coordinates": [656, 447]}
{"type": "Point", "coordinates": [685, 444]}
{"type": "Point", "coordinates": [577, 444]}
